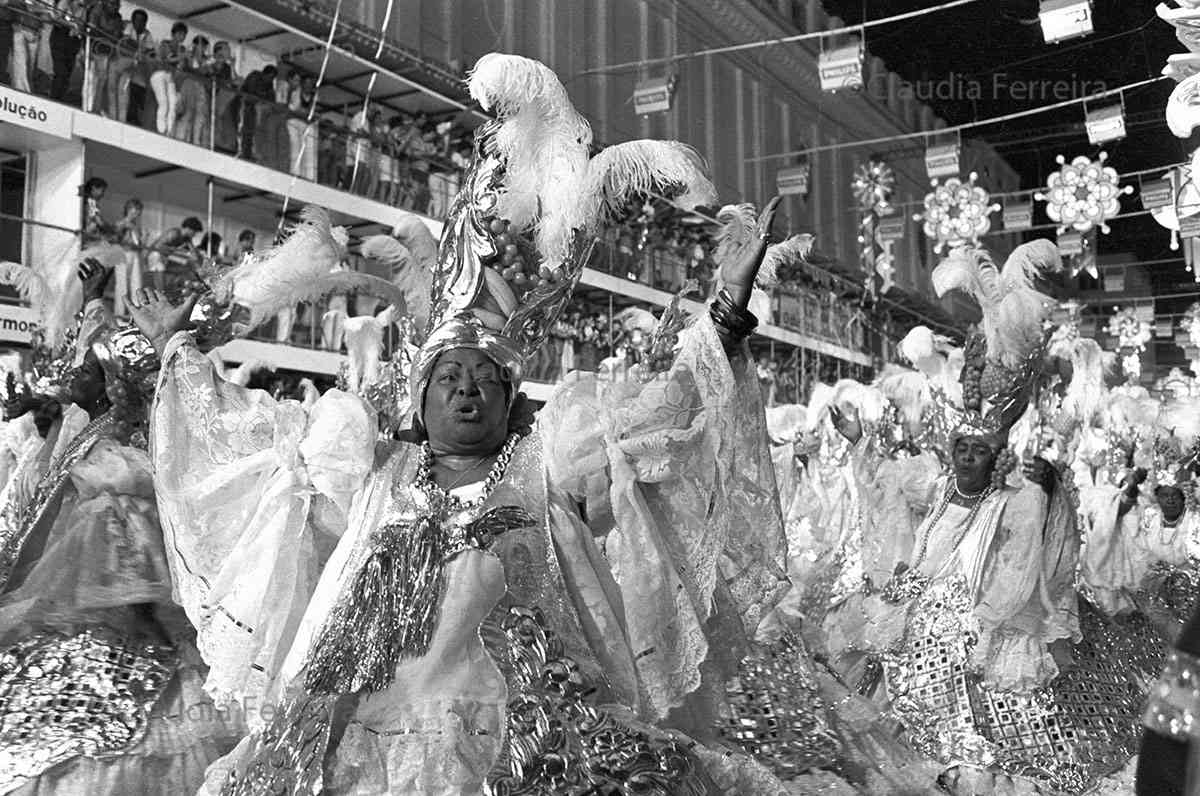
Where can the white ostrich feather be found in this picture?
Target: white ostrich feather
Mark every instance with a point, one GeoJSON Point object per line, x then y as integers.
{"type": "Point", "coordinates": [1085, 393]}
{"type": "Point", "coordinates": [819, 401]}
{"type": "Point", "coordinates": [364, 343]}
{"type": "Point", "coordinates": [1013, 309]}
{"type": "Point", "coordinates": [738, 226]}
{"type": "Point", "coordinates": [867, 401]}
{"type": "Point", "coordinates": [27, 282]}
{"type": "Point", "coordinates": [544, 143]}
{"type": "Point", "coordinates": [632, 318]}
{"type": "Point", "coordinates": [796, 249]}
{"type": "Point", "coordinates": [411, 273]}
{"type": "Point", "coordinates": [418, 239]}
{"type": "Point", "coordinates": [786, 422]}
{"type": "Point", "coordinates": [622, 171]}
{"type": "Point", "coordinates": [242, 374]}
{"type": "Point", "coordinates": [292, 272]}
{"type": "Point", "coordinates": [309, 392]}
{"type": "Point", "coordinates": [910, 391]}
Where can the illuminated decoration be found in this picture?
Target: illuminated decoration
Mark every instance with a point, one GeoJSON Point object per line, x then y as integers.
{"type": "Point", "coordinates": [1131, 334]}
{"type": "Point", "coordinates": [957, 212]}
{"type": "Point", "coordinates": [887, 232]}
{"type": "Point", "coordinates": [654, 95]}
{"type": "Point", "coordinates": [1083, 194]}
{"type": "Point", "coordinates": [873, 185]}
{"type": "Point", "coordinates": [1065, 19]}
{"type": "Point", "coordinates": [1185, 20]}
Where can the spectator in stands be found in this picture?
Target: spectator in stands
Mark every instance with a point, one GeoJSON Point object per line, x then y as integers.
{"type": "Point", "coordinates": [66, 39]}
{"type": "Point", "coordinates": [171, 55]}
{"type": "Point", "coordinates": [105, 27]}
{"type": "Point", "coordinates": [418, 146]}
{"type": "Point", "coordinates": [246, 240]}
{"type": "Point", "coordinates": [385, 167]}
{"type": "Point", "coordinates": [225, 84]}
{"type": "Point", "coordinates": [175, 246]}
{"type": "Point", "coordinates": [131, 49]}
{"type": "Point", "coordinates": [24, 38]}
{"type": "Point", "coordinates": [258, 92]}
{"type": "Point", "coordinates": [194, 86]}
{"type": "Point", "coordinates": [356, 169]}
{"type": "Point", "coordinates": [131, 237]}
{"type": "Point", "coordinates": [246, 109]}
{"type": "Point", "coordinates": [401, 173]}
{"type": "Point", "coordinates": [305, 149]}
{"type": "Point", "coordinates": [94, 227]}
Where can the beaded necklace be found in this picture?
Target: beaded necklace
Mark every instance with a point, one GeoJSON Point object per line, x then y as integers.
{"type": "Point", "coordinates": [445, 504]}
{"type": "Point", "coordinates": [911, 583]}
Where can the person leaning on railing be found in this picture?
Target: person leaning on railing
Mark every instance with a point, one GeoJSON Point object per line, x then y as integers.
{"type": "Point", "coordinates": [104, 27]}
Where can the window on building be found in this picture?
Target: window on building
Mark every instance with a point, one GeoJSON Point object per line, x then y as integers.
{"type": "Point", "coordinates": [12, 205]}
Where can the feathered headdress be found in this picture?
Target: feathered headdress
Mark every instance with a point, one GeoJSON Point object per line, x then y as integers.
{"type": "Point", "coordinates": [523, 224]}
{"type": "Point", "coordinates": [1014, 311]}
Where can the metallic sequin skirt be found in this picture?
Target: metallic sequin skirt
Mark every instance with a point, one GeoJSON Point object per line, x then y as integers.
{"type": "Point", "coordinates": [1066, 736]}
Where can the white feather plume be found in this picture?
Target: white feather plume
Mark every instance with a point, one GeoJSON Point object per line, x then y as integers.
{"type": "Point", "coordinates": [867, 401]}
{"type": "Point", "coordinates": [632, 318]}
{"type": "Point", "coordinates": [786, 422]}
{"type": "Point", "coordinates": [27, 282]}
{"type": "Point", "coordinates": [242, 374]}
{"type": "Point", "coordinates": [795, 249]}
{"type": "Point", "coordinates": [1013, 309]}
{"type": "Point", "coordinates": [1085, 393]}
{"type": "Point", "coordinates": [410, 272]}
{"type": "Point", "coordinates": [738, 225]}
{"type": "Point", "coordinates": [292, 272]}
{"type": "Point", "coordinates": [544, 142]}
{"type": "Point", "coordinates": [909, 391]}
{"type": "Point", "coordinates": [309, 392]}
{"type": "Point", "coordinates": [819, 400]}
{"type": "Point", "coordinates": [364, 343]}
{"type": "Point", "coordinates": [418, 239]}
{"type": "Point", "coordinates": [622, 171]}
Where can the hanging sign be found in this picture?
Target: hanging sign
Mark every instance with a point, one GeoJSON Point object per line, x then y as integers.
{"type": "Point", "coordinates": [841, 68]}
{"type": "Point", "coordinates": [1070, 244]}
{"type": "Point", "coordinates": [1114, 280]}
{"type": "Point", "coordinates": [793, 180]}
{"type": "Point", "coordinates": [1105, 124]}
{"type": "Point", "coordinates": [1156, 194]}
{"type": "Point", "coordinates": [1065, 19]}
{"type": "Point", "coordinates": [889, 230]}
{"type": "Point", "coordinates": [1189, 227]}
{"type": "Point", "coordinates": [1018, 216]}
{"type": "Point", "coordinates": [1163, 327]}
{"type": "Point", "coordinates": [653, 95]}
{"type": "Point", "coordinates": [942, 161]}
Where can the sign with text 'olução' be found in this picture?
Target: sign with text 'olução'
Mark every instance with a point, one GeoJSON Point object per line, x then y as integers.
{"type": "Point", "coordinates": [34, 113]}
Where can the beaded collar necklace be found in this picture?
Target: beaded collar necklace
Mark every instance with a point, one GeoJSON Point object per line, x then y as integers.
{"type": "Point", "coordinates": [445, 504]}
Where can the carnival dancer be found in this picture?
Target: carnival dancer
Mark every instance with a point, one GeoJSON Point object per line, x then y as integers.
{"type": "Point", "coordinates": [977, 638]}
{"type": "Point", "coordinates": [465, 633]}
{"type": "Point", "coordinates": [101, 686]}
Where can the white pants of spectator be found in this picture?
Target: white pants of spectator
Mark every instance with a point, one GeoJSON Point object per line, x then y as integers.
{"type": "Point", "coordinates": [128, 279]}
{"type": "Point", "coordinates": [284, 322]}
{"type": "Point", "coordinates": [24, 56]}
{"type": "Point", "coordinates": [331, 328]}
{"type": "Point", "coordinates": [95, 83]}
{"type": "Point", "coordinates": [303, 140]}
{"type": "Point", "coordinates": [442, 188]}
{"type": "Point", "coordinates": [162, 83]}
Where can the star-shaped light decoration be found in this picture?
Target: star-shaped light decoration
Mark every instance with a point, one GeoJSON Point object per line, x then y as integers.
{"type": "Point", "coordinates": [1083, 194]}
{"type": "Point", "coordinates": [957, 212]}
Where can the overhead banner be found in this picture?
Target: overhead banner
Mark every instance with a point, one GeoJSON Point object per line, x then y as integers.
{"type": "Point", "coordinates": [654, 95]}
{"type": "Point", "coordinates": [792, 181]}
{"type": "Point", "coordinates": [17, 324]}
{"type": "Point", "coordinates": [942, 161]}
{"type": "Point", "coordinates": [1189, 227]}
{"type": "Point", "coordinates": [34, 113]}
{"type": "Point", "coordinates": [1018, 216]}
{"type": "Point", "coordinates": [841, 68]}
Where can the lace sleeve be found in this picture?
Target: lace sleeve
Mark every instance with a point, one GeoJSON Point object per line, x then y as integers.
{"type": "Point", "coordinates": [680, 464]}
{"type": "Point", "coordinates": [235, 477]}
{"type": "Point", "coordinates": [1027, 599]}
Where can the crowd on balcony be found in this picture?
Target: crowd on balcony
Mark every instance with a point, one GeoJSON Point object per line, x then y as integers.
{"type": "Point", "coordinates": [183, 85]}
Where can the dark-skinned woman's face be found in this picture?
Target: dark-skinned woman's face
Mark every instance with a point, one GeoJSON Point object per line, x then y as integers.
{"type": "Point", "coordinates": [465, 407]}
{"type": "Point", "coordinates": [973, 461]}
{"type": "Point", "coordinates": [1171, 501]}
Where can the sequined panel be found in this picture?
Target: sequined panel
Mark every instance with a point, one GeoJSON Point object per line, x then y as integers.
{"type": "Point", "coordinates": [558, 743]}
{"type": "Point", "coordinates": [777, 714]}
{"type": "Point", "coordinates": [67, 695]}
{"type": "Point", "coordinates": [1080, 728]}
{"type": "Point", "coordinates": [287, 758]}
{"type": "Point", "coordinates": [1168, 595]}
